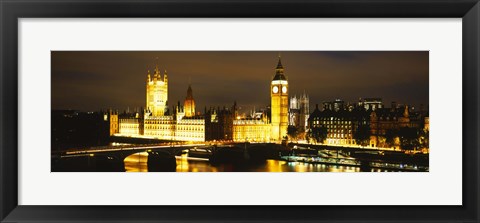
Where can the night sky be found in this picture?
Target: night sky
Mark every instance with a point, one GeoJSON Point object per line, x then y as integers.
{"type": "Point", "coordinates": [93, 80]}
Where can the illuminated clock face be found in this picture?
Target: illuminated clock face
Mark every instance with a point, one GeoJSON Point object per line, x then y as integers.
{"type": "Point", "coordinates": [275, 89]}
{"type": "Point", "coordinates": [284, 89]}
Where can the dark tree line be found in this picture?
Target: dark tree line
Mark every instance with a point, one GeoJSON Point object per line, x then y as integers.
{"type": "Point", "coordinates": [362, 135]}
{"type": "Point", "coordinates": [317, 134]}
{"type": "Point", "coordinates": [292, 132]}
{"type": "Point", "coordinates": [409, 138]}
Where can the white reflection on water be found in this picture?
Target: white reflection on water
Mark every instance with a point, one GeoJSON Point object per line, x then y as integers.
{"type": "Point", "coordinates": [185, 165]}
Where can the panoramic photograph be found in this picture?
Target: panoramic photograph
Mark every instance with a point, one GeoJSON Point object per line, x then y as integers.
{"type": "Point", "coordinates": [240, 111]}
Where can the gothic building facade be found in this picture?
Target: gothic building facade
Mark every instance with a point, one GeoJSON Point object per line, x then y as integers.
{"type": "Point", "coordinates": [154, 122]}
{"type": "Point", "coordinates": [299, 112]}
{"type": "Point", "coordinates": [189, 104]}
{"type": "Point", "coordinates": [157, 92]}
{"type": "Point", "coordinates": [279, 103]}
{"type": "Point", "coordinates": [184, 124]}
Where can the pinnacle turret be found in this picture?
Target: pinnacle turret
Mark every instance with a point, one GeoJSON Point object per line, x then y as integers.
{"type": "Point", "coordinates": [279, 70]}
{"type": "Point", "coordinates": [279, 65]}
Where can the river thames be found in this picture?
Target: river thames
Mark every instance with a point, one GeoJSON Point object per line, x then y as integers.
{"type": "Point", "coordinates": [237, 158]}
{"type": "Point", "coordinates": [138, 163]}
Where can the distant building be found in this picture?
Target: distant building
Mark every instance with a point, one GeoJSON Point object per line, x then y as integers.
{"type": "Point", "coordinates": [385, 119]}
{"type": "Point", "coordinates": [341, 124]}
{"type": "Point", "coordinates": [335, 105]}
{"type": "Point", "coordinates": [294, 112]}
{"type": "Point", "coordinates": [304, 111]}
{"type": "Point", "coordinates": [371, 103]}
{"type": "Point", "coordinates": [299, 111]}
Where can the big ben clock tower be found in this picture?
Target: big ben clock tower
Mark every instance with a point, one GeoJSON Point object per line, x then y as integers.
{"type": "Point", "coordinates": [279, 103]}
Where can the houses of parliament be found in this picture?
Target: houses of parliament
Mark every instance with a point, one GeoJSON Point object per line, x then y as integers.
{"type": "Point", "coordinates": [341, 120]}
{"type": "Point", "coordinates": [184, 123]}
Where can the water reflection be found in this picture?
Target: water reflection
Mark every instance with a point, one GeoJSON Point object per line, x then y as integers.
{"type": "Point", "coordinates": [197, 165]}
{"type": "Point", "coordinates": [138, 163]}
{"type": "Point", "coordinates": [283, 166]}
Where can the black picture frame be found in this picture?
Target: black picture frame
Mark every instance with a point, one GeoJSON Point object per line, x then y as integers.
{"type": "Point", "coordinates": [11, 11]}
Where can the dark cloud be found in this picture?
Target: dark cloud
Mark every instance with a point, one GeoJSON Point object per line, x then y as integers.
{"type": "Point", "coordinates": [89, 80]}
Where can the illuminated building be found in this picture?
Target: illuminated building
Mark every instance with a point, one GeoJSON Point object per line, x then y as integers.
{"type": "Point", "coordinates": [304, 111]}
{"type": "Point", "coordinates": [258, 127]}
{"type": "Point", "coordinates": [189, 104]}
{"type": "Point", "coordinates": [255, 128]}
{"type": "Point", "coordinates": [160, 127]}
{"type": "Point", "coordinates": [251, 130]}
{"type": "Point", "coordinates": [112, 118]}
{"type": "Point", "coordinates": [190, 129]}
{"type": "Point", "coordinates": [340, 124]}
{"type": "Point", "coordinates": [157, 92]}
{"type": "Point", "coordinates": [294, 111]}
{"type": "Point", "coordinates": [182, 125]}
{"type": "Point", "coordinates": [390, 118]}
{"type": "Point", "coordinates": [279, 103]}
{"type": "Point", "coordinates": [130, 126]}
{"type": "Point", "coordinates": [185, 125]}
{"type": "Point", "coordinates": [178, 126]}
{"type": "Point", "coordinates": [299, 111]}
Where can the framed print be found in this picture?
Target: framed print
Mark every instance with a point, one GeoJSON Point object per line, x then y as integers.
{"type": "Point", "coordinates": [287, 111]}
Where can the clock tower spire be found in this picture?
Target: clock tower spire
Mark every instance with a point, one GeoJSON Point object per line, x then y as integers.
{"type": "Point", "coordinates": [279, 102]}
